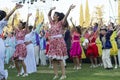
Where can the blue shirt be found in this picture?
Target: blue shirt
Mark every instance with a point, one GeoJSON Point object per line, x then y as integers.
{"type": "Point", "coordinates": [36, 35]}
{"type": "Point", "coordinates": [42, 43]}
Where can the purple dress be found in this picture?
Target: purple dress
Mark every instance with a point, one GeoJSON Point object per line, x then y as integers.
{"type": "Point", "coordinates": [75, 48]}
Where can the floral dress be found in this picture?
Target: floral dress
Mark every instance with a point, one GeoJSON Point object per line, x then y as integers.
{"type": "Point", "coordinates": [20, 52]}
{"type": "Point", "coordinates": [57, 48]}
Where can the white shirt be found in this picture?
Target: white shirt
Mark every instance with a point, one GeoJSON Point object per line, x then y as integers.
{"type": "Point", "coordinates": [3, 23]}
{"type": "Point", "coordinates": [85, 42]}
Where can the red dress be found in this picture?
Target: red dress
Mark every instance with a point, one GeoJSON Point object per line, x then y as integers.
{"type": "Point", "coordinates": [47, 47]}
{"type": "Point", "coordinates": [20, 52]}
{"type": "Point", "coordinates": [92, 50]}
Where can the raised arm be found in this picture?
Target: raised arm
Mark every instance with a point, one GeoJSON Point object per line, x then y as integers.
{"type": "Point", "coordinates": [38, 27]}
{"type": "Point", "coordinates": [14, 28]}
{"type": "Point", "coordinates": [72, 22]}
{"type": "Point", "coordinates": [13, 10]}
{"type": "Point", "coordinates": [70, 8]}
{"type": "Point", "coordinates": [36, 19]}
{"type": "Point", "coordinates": [26, 26]}
{"type": "Point", "coordinates": [50, 12]}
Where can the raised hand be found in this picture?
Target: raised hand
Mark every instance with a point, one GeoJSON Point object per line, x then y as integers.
{"type": "Point", "coordinates": [72, 6]}
{"type": "Point", "coordinates": [29, 14]}
{"type": "Point", "coordinates": [53, 8]}
{"type": "Point", "coordinates": [18, 6]}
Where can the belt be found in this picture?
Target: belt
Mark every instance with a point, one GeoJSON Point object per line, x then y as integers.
{"type": "Point", "coordinates": [57, 36]}
{"type": "Point", "coordinates": [76, 40]}
{"type": "Point", "coordinates": [92, 43]}
{"type": "Point", "coordinates": [20, 41]}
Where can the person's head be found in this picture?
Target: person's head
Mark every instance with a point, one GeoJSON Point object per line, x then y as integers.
{"type": "Point", "coordinates": [103, 31]}
{"type": "Point", "coordinates": [95, 24]}
{"type": "Point", "coordinates": [42, 32]}
{"type": "Point", "coordinates": [2, 14]}
{"type": "Point", "coordinates": [30, 28]}
{"type": "Point", "coordinates": [21, 25]}
{"type": "Point", "coordinates": [90, 30]}
{"type": "Point", "coordinates": [78, 29]}
{"type": "Point", "coordinates": [58, 16]}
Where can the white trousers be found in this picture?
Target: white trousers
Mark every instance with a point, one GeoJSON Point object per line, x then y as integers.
{"type": "Point", "coordinates": [43, 57]}
{"type": "Point", "coordinates": [106, 58]}
{"type": "Point", "coordinates": [37, 57]}
{"type": "Point", "coordinates": [119, 56]}
{"type": "Point", "coordinates": [3, 73]}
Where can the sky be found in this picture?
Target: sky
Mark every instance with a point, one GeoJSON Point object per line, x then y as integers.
{"type": "Point", "coordinates": [109, 10]}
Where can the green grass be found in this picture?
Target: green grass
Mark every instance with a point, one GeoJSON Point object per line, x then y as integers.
{"type": "Point", "coordinates": [86, 73]}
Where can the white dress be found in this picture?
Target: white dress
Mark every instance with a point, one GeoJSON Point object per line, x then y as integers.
{"type": "Point", "coordinates": [3, 73]}
{"type": "Point", "coordinates": [30, 58]}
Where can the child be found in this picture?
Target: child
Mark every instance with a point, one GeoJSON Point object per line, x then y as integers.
{"type": "Point", "coordinates": [76, 50]}
{"type": "Point", "coordinates": [42, 48]}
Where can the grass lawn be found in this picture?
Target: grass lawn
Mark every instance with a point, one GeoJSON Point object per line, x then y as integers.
{"type": "Point", "coordinates": [86, 73]}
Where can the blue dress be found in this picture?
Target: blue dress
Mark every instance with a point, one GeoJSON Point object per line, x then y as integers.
{"type": "Point", "coordinates": [10, 48]}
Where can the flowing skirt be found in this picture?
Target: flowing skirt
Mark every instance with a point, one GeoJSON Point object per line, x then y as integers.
{"type": "Point", "coordinates": [20, 52]}
{"type": "Point", "coordinates": [92, 51]}
{"type": "Point", "coordinates": [76, 50]}
{"type": "Point", "coordinates": [57, 49]}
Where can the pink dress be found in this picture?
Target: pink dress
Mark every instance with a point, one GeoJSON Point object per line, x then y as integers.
{"type": "Point", "coordinates": [57, 48]}
{"type": "Point", "coordinates": [75, 48]}
{"type": "Point", "coordinates": [20, 52]}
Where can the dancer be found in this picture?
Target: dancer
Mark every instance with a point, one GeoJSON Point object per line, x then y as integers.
{"type": "Point", "coordinates": [3, 22]}
{"type": "Point", "coordinates": [30, 58]}
{"type": "Point", "coordinates": [105, 39]}
{"type": "Point", "coordinates": [57, 52]}
{"type": "Point", "coordinates": [20, 52]}
{"type": "Point", "coordinates": [36, 42]}
{"type": "Point", "coordinates": [75, 51]}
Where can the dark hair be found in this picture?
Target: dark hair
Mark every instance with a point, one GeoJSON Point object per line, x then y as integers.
{"type": "Point", "coordinates": [112, 24]}
{"type": "Point", "coordinates": [60, 15]}
{"type": "Point", "coordinates": [78, 29]}
{"type": "Point", "coordinates": [23, 24]}
{"type": "Point", "coordinates": [30, 28]}
{"type": "Point", "coordinates": [96, 24]}
{"type": "Point", "coordinates": [2, 14]}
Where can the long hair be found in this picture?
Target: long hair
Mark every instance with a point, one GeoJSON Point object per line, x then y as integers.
{"type": "Point", "coordinates": [30, 27]}
{"type": "Point", "coordinates": [2, 14]}
{"type": "Point", "coordinates": [61, 16]}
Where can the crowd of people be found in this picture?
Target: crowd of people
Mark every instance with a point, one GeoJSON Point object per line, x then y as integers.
{"type": "Point", "coordinates": [32, 46]}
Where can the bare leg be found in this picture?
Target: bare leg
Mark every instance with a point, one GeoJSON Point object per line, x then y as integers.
{"type": "Point", "coordinates": [75, 64]}
{"type": "Point", "coordinates": [78, 63]}
{"type": "Point", "coordinates": [95, 59]}
{"type": "Point", "coordinates": [17, 66]}
{"type": "Point", "coordinates": [24, 66]}
{"type": "Point", "coordinates": [55, 68]}
{"type": "Point", "coordinates": [91, 60]}
{"type": "Point", "coordinates": [115, 59]}
{"type": "Point", "coordinates": [62, 67]}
